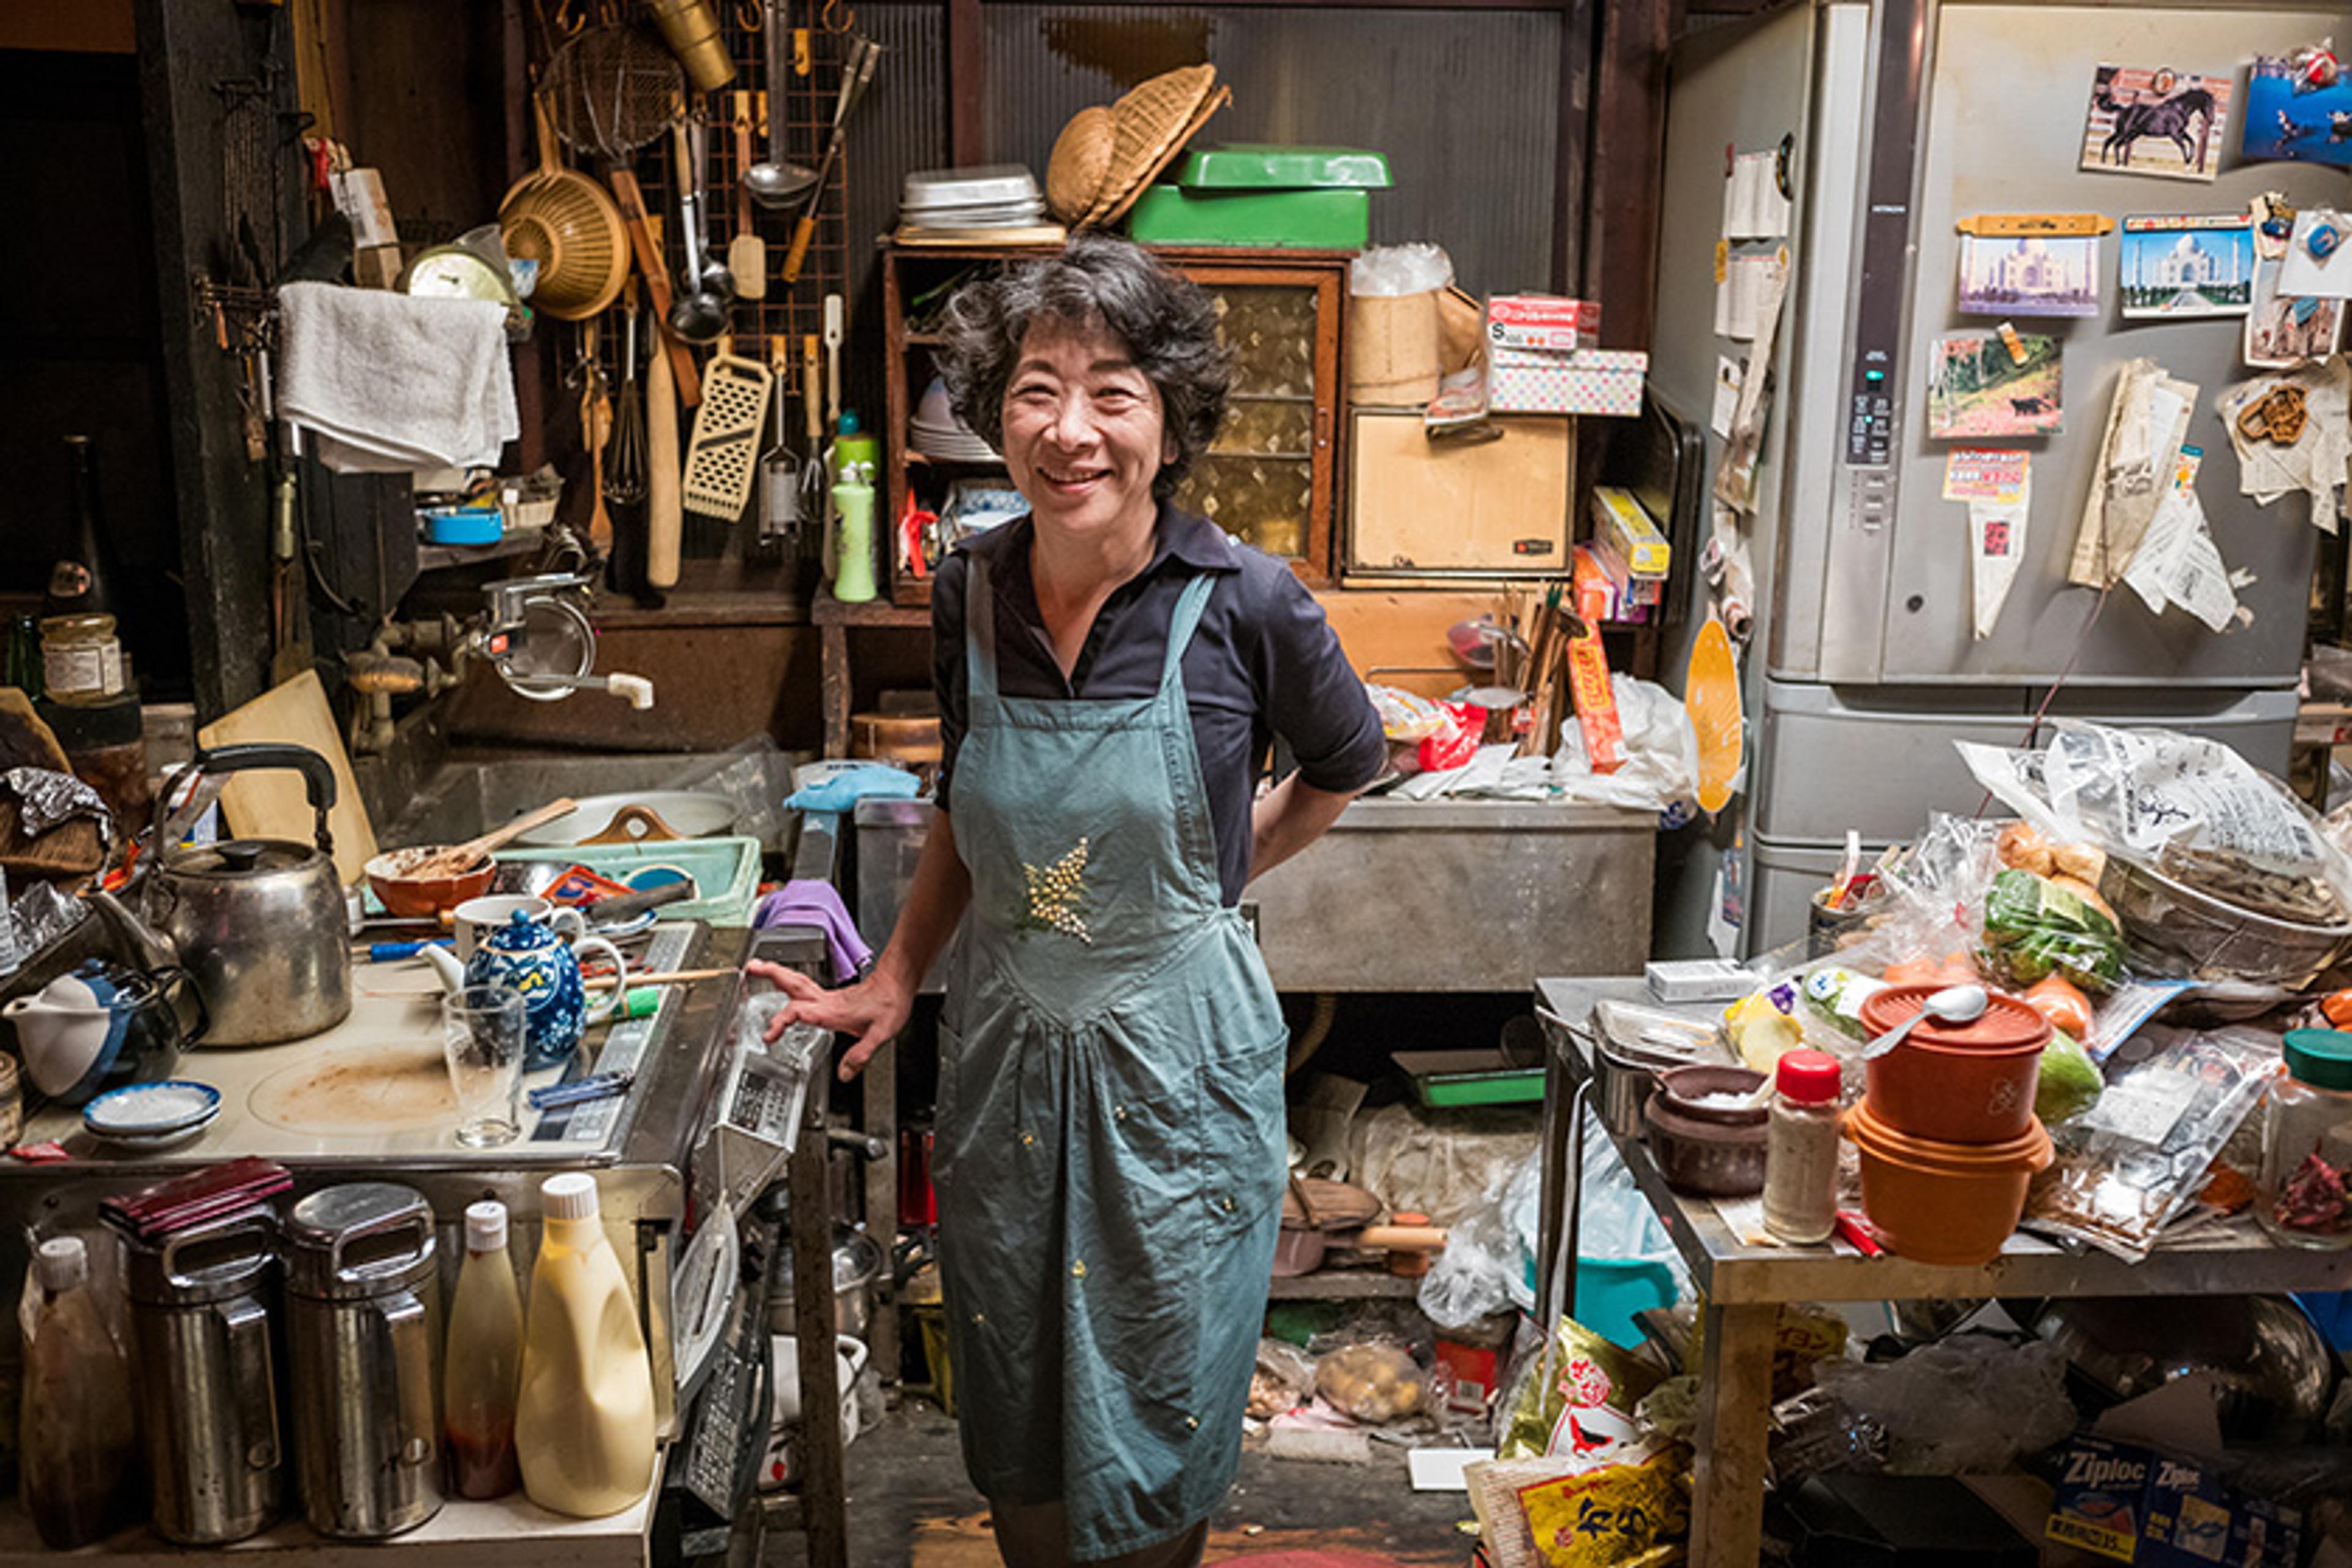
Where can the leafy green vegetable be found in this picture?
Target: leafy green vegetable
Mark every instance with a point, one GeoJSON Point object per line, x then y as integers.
{"type": "Point", "coordinates": [2034, 928]}
{"type": "Point", "coordinates": [2070, 1083]}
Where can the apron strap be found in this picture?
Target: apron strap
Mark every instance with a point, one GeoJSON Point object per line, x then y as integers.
{"type": "Point", "coordinates": [1184, 623]}
{"type": "Point", "coordinates": [979, 636]}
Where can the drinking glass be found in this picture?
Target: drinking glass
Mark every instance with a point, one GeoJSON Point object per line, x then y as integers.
{"type": "Point", "coordinates": [482, 1038]}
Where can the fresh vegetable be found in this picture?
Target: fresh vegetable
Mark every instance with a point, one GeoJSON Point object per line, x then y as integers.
{"type": "Point", "coordinates": [1834, 996]}
{"type": "Point", "coordinates": [2089, 895]}
{"type": "Point", "coordinates": [2022, 848]}
{"type": "Point", "coordinates": [2336, 1008]}
{"type": "Point", "coordinates": [1952, 969]}
{"type": "Point", "coordinates": [2034, 928]}
{"type": "Point", "coordinates": [1760, 1032]}
{"type": "Point", "coordinates": [2061, 1001]}
{"type": "Point", "coordinates": [2069, 1084]}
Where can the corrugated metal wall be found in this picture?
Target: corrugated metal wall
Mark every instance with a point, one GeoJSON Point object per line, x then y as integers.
{"type": "Point", "coordinates": [902, 125]}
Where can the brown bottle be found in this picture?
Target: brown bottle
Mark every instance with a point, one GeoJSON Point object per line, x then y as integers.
{"type": "Point", "coordinates": [77, 582]}
{"type": "Point", "coordinates": [79, 1446]}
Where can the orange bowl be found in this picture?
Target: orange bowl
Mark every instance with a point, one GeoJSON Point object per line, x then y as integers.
{"type": "Point", "coordinates": [424, 898]}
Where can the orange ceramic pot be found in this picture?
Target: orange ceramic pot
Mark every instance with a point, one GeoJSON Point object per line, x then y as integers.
{"type": "Point", "coordinates": [1944, 1203]}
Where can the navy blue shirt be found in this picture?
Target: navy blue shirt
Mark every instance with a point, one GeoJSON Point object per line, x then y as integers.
{"type": "Point", "coordinates": [1263, 663]}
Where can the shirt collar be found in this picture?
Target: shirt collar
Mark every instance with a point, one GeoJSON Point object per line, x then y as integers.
{"type": "Point", "coordinates": [1183, 535]}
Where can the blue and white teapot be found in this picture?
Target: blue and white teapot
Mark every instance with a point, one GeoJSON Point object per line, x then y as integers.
{"type": "Point", "coordinates": [540, 957]}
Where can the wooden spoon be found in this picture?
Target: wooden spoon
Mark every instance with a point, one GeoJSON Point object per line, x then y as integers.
{"type": "Point", "coordinates": [596, 429]}
{"type": "Point", "coordinates": [458, 857]}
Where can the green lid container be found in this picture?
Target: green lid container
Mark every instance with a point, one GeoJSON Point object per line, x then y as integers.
{"type": "Point", "coordinates": [2321, 1058]}
{"type": "Point", "coordinates": [1318, 220]}
{"type": "Point", "coordinates": [1262, 166]}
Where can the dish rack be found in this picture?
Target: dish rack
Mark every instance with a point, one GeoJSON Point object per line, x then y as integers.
{"type": "Point", "coordinates": [726, 871]}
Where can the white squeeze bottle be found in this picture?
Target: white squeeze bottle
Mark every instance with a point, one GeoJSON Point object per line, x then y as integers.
{"type": "Point", "coordinates": [584, 1425]}
{"type": "Point", "coordinates": [482, 1367]}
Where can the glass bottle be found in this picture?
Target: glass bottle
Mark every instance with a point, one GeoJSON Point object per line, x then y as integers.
{"type": "Point", "coordinates": [77, 582]}
{"type": "Point", "coordinates": [1800, 1149]}
{"type": "Point", "coordinates": [2305, 1198]}
{"type": "Point", "coordinates": [482, 1367]}
{"type": "Point", "coordinates": [24, 658]}
{"type": "Point", "coordinates": [80, 1438]}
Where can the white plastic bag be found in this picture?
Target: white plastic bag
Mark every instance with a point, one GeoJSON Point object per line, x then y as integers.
{"type": "Point", "coordinates": [1661, 768]}
{"type": "Point", "coordinates": [1390, 271]}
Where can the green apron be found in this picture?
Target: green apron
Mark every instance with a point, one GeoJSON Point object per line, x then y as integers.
{"type": "Point", "coordinates": [1110, 1150]}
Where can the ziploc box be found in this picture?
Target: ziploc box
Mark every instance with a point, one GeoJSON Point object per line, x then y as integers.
{"type": "Point", "coordinates": [2140, 1505]}
{"type": "Point", "coordinates": [1543, 321]}
{"type": "Point", "coordinates": [1591, 381]}
{"type": "Point", "coordinates": [1625, 526]}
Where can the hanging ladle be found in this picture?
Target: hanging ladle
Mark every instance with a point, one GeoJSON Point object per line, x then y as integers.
{"type": "Point", "coordinates": [698, 314]}
{"type": "Point", "coordinates": [1952, 1005]}
{"type": "Point", "coordinates": [775, 182]}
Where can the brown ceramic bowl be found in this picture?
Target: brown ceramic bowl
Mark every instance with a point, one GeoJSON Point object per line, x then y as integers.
{"type": "Point", "coordinates": [424, 898]}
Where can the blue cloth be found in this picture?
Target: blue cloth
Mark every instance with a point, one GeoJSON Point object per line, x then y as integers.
{"type": "Point", "coordinates": [808, 901]}
{"type": "Point", "coordinates": [1110, 1147]}
{"type": "Point", "coordinates": [1264, 665]}
{"type": "Point", "coordinates": [845, 789]}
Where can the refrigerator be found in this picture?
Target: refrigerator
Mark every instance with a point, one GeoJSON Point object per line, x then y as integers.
{"type": "Point", "coordinates": [1894, 120]}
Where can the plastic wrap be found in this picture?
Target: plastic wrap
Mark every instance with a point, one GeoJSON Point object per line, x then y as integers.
{"type": "Point", "coordinates": [1967, 1406]}
{"type": "Point", "coordinates": [45, 798]}
{"type": "Point", "coordinates": [1390, 271]}
{"type": "Point", "coordinates": [1283, 1379]}
{"type": "Point", "coordinates": [1447, 1167]}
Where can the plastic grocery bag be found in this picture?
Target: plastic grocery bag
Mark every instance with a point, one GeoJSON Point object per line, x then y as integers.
{"type": "Point", "coordinates": [1967, 1406]}
{"type": "Point", "coordinates": [1661, 768]}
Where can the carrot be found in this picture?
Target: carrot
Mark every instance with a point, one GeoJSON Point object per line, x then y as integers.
{"type": "Point", "coordinates": [2061, 1001]}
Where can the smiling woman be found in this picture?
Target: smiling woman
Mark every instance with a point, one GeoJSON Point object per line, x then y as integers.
{"type": "Point", "coordinates": [1111, 672]}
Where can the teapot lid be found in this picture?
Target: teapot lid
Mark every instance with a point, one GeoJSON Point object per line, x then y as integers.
{"type": "Point", "coordinates": [236, 858]}
{"type": "Point", "coordinates": [520, 933]}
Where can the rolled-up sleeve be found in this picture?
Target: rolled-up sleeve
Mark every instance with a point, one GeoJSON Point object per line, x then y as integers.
{"type": "Point", "coordinates": [1314, 702]}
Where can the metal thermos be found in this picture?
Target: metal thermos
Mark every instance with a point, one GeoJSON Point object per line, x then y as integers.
{"type": "Point", "coordinates": [364, 1322]}
{"type": "Point", "coordinates": [202, 1302]}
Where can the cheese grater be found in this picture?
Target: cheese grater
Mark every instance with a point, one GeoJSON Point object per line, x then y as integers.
{"type": "Point", "coordinates": [725, 452]}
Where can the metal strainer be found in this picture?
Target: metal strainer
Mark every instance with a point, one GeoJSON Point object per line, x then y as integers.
{"type": "Point", "coordinates": [613, 90]}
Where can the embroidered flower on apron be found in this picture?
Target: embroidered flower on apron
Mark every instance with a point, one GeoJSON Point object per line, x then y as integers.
{"type": "Point", "coordinates": [1057, 896]}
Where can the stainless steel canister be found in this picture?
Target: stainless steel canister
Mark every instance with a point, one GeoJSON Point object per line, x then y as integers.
{"type": "Point", "coordinates": [364, 1301]}
{"type": "Point", "coordinates": [202, 1307]}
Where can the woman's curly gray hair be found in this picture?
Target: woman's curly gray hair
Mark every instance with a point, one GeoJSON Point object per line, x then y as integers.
{"type": "Point", "coordinates": [1097, 283]}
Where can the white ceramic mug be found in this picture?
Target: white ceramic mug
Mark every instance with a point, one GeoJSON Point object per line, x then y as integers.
{"type": "Point", "coordinates": [475, 917]}
{"type": "Point", "coordinates": [784, 1372]}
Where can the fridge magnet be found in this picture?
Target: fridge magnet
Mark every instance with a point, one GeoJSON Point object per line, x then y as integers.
{"type": "Point", "coordinates": [2187, 265]}
{"type": "Point", "coordinates": [2028, 275]}
{"type": "Point", "coordinates": [2282, 331]}
{"type": "Point", "coordinates": [2287, 121]}
{"type": "Point", "coordinates": [2290, 432]}
{"type": "Point", "coordinates": [2317, 263]}
{"type": "Point", "coordinates": [2273, 225]}
{"type": "Point", "coordinates": [1975, 386]}
{"type": "Point", "coordinates": [2155, 121]}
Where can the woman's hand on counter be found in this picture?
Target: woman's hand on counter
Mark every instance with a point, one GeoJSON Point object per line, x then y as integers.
{"type": "Point", "coordinates": [875, 1009]}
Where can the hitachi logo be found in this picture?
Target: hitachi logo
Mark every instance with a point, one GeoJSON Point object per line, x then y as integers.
{"type": "Point", "coordinates": [2089, 1469]}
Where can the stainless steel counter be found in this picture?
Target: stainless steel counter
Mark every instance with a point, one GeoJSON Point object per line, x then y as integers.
{"type": "Point", "coordinates": [1746, 1285]}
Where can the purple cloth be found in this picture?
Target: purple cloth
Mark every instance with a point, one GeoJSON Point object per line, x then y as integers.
{"type": "Point", "coordinates": [811, 902]}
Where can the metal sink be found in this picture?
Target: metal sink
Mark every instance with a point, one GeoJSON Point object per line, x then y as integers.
{"type": "Point", "coordinates": [458, 797]}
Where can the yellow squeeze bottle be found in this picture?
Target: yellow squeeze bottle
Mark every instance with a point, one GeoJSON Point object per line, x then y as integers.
{"type": "Point", "coordinates": [584, 1424]}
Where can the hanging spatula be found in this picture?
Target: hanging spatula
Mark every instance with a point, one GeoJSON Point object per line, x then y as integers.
{"type": "Point", "coordinates": [721, 459]}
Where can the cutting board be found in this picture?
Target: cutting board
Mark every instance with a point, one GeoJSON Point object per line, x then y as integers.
{"type": "Point", "coordinates": [271, 804]}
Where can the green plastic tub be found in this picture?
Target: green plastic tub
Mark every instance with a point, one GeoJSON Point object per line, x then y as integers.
{"type": "Point", "coordinates": [1314, 220]}
{"type": "Point", "coordinates": [1469, 1077]}
{"type": "Point", "coordinates": [1267, 167]}
{"type": "Point", "coordinates": [725, 872]}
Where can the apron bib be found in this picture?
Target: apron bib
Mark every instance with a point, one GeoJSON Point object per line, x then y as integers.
{"type": "Point", "coordinates": [1111, 1144]}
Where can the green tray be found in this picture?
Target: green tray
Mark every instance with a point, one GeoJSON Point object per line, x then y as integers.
{"type": "Point", "coordinates": [1262, 166]}
{"type": "Point", "coordinates": [1314, 220]}
{"type": "Point", "coordinates": [726, 871]}
{"type": "Point", "coordinates": [1469, 1077]}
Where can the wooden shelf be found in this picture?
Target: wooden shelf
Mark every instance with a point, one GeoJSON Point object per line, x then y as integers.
{"type": "Point", "coordinates": [435, 557]}
{"type": "Point", "coordinates": [1344, 1285]}
{"type": "Point", "coordinates": [879, 612]}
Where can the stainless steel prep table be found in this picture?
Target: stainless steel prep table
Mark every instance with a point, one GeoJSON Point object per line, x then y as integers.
{"type": "Point", "coordinates": [1745, 1286]}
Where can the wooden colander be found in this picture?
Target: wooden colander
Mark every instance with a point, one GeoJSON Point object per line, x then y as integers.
{"type": "Point", "coordinates": [563, 220]}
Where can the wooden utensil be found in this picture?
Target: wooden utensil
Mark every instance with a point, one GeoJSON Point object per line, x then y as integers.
{"type": "Point", "coordinates": [816, 492]}
{"type": "Point", "coordinates": [271, 804]}
{"type": "Point", "coordinates": [458, 857]}
{"type": "Point", "coordinates": [857, 75]}
{"type": "Point", "coordinates": [687, 383]}
{"type": "Point", "coordinates": [747, 253]}
{"type": "Point", "coordinates": [596, 429]}
{"type": "Point", "coordinates": [664, 503]}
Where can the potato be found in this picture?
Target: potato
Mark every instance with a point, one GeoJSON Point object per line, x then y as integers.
{"type": "Point", "coordinates": [2023, 848]}
{"type": "Point", "coordinates": [2085, 862]}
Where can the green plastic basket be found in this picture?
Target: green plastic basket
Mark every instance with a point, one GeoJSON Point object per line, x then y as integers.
{"type": "Point", "coordinates": [726, 871]}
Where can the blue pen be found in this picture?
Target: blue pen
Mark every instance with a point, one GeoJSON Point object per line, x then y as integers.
{"type": "Point", "coordinates": [596, 1086]}
{"type": "Point", "coordinates": [385, 952]}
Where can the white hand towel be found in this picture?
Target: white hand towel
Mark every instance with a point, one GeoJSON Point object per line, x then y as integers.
{"type": "Point", "coordinates": [391, 383]}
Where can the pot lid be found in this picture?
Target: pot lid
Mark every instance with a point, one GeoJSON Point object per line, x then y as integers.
{"type": "Point", "coordinates": [2007, 1023]}
{"type": "Point", "coordinates": [2029, 1151]}
{"type": "Point", "coordinates": [236, 858]}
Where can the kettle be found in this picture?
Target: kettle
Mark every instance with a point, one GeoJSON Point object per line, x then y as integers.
{"type": "Point", "coordinates": [258, 923]}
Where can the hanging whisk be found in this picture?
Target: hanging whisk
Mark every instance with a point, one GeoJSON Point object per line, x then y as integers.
{"type": "Point", "coordinates": [625, 473]}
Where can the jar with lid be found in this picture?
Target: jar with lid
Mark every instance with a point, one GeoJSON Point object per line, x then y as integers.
{"type": "Point", "coordinates": [2305, 1198]}
{"type": "Point", "coordinates": [80, 659]}
{"type": "Point", "coordinates": [1800, 1149]}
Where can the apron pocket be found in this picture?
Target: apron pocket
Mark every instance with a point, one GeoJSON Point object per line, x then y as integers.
{"type": "Point", "coordinates": [1244, 1147]}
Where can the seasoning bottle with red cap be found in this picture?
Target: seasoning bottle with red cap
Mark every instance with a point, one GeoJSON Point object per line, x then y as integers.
{"type": "Point", "coordinates": [1801, 1150]}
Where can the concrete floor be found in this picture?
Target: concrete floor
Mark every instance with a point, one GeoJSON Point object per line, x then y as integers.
{"type": "Point", "coordinates": [911, 1507]}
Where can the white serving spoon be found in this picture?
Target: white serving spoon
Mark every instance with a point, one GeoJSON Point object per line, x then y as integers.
{"type": "Point", "coordinates": [1952, 1005]}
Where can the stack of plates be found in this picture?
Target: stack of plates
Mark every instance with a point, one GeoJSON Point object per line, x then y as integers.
{"type": "Point", "coordinates": [935, 432]}
{"type": "Point", "coordinates": [995, 195]}
{"type": "Point", "coordinates": [153, 1115]}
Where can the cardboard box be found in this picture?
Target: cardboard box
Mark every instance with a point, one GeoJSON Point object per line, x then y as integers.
{"type": "Point", "coordinates": [1499, 508]}
{"type": "Point", "coordinates": [1625, 526]}
{"type": "Point", "coordinates": [1593, 381]}
{"type": "Point", "coordinates": [2148, 1505]}
{"type": "Point", "coordinates": [1543, 321]}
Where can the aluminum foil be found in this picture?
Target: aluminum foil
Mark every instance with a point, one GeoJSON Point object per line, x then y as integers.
{"type": "Point", "coordinates": [45, 798]}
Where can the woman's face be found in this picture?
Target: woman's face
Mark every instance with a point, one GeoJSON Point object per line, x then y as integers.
{"type": "Point", "coordinates": [1085, 434]}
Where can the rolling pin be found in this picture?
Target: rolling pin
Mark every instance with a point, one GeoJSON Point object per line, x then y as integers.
{"type": "Point", "coordinates": [665, 505]}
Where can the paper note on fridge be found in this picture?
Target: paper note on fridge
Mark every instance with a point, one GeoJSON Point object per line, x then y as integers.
{"type": "Point", "coordinates": [2178, 563]}
{"type": "Point", "coordinates": [2307, 276]}
{"type": "Point", "coordinates": [1740, 295]}
{"type": "Point", "coordinates": [1985, 474]}
{"type": "Point", "coordinates": [1753, 206]}
{"type": "Point", "coordinates": [1997, 531]}
{"type": "Point", "coordinates": [2145, 426]}
{"type": "Point", "coordinates": [1729, 374]}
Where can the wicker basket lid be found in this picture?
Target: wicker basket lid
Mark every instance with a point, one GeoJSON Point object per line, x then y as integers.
{"type": "Point", "coordinates": [1152, 125]}
{"type": "Point", "coordinates": [1082, 153]}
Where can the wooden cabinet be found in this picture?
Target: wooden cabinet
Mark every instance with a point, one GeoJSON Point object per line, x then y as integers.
{"type": "Point", "coordinates": [1273, 475]}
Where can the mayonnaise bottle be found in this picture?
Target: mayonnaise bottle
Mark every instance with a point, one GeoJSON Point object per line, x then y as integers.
{"type": "Point", "coordinates": [584, 1424]}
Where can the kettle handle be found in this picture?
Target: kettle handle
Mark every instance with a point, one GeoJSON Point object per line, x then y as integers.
{"type": "Point", "coordinates": [170, 975]}
{"type": "Point", "coordinates": [318, 779]}
{"type": "Point", "coordinates": [390, 1225]}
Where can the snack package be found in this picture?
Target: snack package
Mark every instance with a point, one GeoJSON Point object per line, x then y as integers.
{"type": "Point", "coordinates": [2125, 1168]}
{"type": "Point", "coordinates": [1405, 716]}
{"type": "Point", "coordinates": [1578, 1400]}
{"type": "Point", "coordinates": [1596, 703]}
{"type": "Point", "coordinates": [2033, 928]}
{"type": "Point", "coordinates": [1834, 997]}
{"type": "Point", "coordinates": [1629, 1515]}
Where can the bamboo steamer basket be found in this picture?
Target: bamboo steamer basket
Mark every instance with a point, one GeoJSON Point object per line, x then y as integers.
{"type": "Point", "coordinates": [563, 220]}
